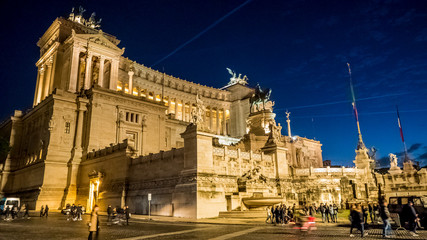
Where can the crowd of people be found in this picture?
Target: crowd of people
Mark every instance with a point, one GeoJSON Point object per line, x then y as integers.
{"type": "Point", "coordinates": [73, 212]}
{"type": "Point", "coordinates": [282, 214]}
{"type": "Point", "coordinates": [15, 212]}
{"type": "Point", "coordinates": [118, 215]}
{"type": "Point", "coordinates": [380, 214]}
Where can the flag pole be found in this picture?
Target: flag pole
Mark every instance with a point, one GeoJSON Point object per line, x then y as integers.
{"type": "Point", "coordinates": [401, 134]}
{"type": "Point", "coordinates": [353, 103]}
{"type": "Point", "coordinates": [163, 86]}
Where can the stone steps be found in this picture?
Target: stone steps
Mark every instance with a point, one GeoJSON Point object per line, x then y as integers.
{"type": "Point", "coordinates": [243, 214]}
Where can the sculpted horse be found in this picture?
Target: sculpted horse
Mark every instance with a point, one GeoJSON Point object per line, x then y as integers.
{"type": "Point", "coordinates": [260, 97]}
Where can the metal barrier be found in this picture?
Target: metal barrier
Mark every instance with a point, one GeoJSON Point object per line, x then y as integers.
{"type": "Point", "coordinates": [396, 219]}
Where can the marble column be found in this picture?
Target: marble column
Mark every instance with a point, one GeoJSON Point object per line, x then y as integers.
{"type": "Point", "coordinates": [88, 73]}
{"type": "Point", "coordinates": [176, 108]}
{"type": "Point", "coordinates": [101, 72]}
{"type": "Point", "coordinates": [47, 80]}
{"type": "Point", "coordinates": [217, 122]}
{"type": "Point", "coordinates": [131, 73]}
{"type": "Point", "coordinates": [52, 76]}
{"type": "Point", "coordinates": [114, 74]}
{"type": "Point", "coordinates": [169, 105]}
{"type": "Point", "coordinates": [224, 124]}
{"type": "Point", "coordinates": [40, 85]}
{"type": "Point", "coordinates": [37, 87]}
{"type": "Point", "coordinates": [74, 71]}
{"type": "Point", "coordinates": [211, 119]}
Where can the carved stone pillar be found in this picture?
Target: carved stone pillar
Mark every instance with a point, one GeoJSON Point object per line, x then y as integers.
{"type": "Point", "coordinates": [101, 71]}
{"type": "Point", "coordinates": [88, 72]}
{"type": "Point", "coordinates": [217, 122]}
{"type": "Point", "coordinates": [114, 76]}
{"type": "Point", "coordinates": [131, 73]}
{"type": "Point", "coordinates": [169, 105]}
{"type": "Point", "coordinates": [176, 108]}
{"type": "Point", "coordinates": [46, 82]}
{"type": "Point", "coordinates": [37, 87]}
{"type": "Point", "coordinates": [74, 72]}
{"type": "Point", "coordinates": [9, 162]}
{"type": "Point", "coordinates": [224, 123]}
{"type": "Point", "coordinates": [40, 84]}
{"type": "Point", "coordinates": [211, 119]}
{"type": "Point", "coordinates": [73, 164]}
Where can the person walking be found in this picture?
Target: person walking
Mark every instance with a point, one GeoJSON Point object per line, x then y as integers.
{"type": "Point", "coordinates": [79, 212]}
{"type": "Point", "coordinates": [385, 216]}
{"type": "Point", "coordinates": [360, 221]}
{"type": "Point", "coordinates": [94, 223]}
{"type": "Point", "coordinates": [331, 213]}
{"type": "Point", "coordinates": [268, 215]}
{"type": "Point", "coordinates": [323, 212]}
{"type": "Point", "coordinates": [412, 217]}
{"type": "Point", "coordinates": [335, 213]}
{"type": "Point", "coordinates": [371, 212]}
{"type": "Point", "coordinates": [46, 211]}
{"type": "Point", "coordinates": [272, 214]}
{"type": "Point", "coordinates": [127, 214]}
{"type": "Point", "coordinates": [277, 215]}
{"type": "Point", "coordinates": [41, 211]}
{"type": "Point", "coordinates": [109, 212]}
{"type": "Point", "coordinates": [7, 213]}
{"type": "Point", "coordinates": [26, 211]}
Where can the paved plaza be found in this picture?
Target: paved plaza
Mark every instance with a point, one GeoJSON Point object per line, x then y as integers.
{"type": "Point", "coordinates": [57, 227]}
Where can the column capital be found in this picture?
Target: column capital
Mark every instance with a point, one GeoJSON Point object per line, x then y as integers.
{"type": "Point", "coordinates": [49, 61]}
{"type": "Point", "coordinates": [42, 69]}
{"type": "Point", "coordinates": [131, 73]}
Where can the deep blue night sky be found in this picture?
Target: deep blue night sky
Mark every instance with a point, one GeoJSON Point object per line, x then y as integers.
{"type": "Point", "coordinates": [298, 48]}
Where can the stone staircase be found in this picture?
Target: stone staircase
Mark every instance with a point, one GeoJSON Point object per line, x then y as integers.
{"type": "Point", "coordinates": [243, 214]}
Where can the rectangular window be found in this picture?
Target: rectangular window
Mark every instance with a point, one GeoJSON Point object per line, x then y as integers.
{"type": "Point", "coordinates": [67, 127]}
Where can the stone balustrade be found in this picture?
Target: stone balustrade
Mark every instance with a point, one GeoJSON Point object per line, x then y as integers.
{"type": "Point", "coordinates": [342, 171]}
{"type": "Point", "coordinates": [161, 156]}
{"type": "Point", "coordinates": [108, 150]}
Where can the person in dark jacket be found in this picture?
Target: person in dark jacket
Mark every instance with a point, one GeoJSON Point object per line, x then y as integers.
{"type": "Point", "coordinates": [412, 218]}
{"type": "Point", "coordinates": [109, 212]}
{"type": "Point", "coordinates": [42, 211]}
{"type": "Point", "coordinates": [357, 219]}
{"type": "Point", "coordinates": [46, 211]}
{"type": "Point", "coordinates": [127, 214]}
{"type": "Point", "coordinates": [277, 214]}
{"type": "Point", "coordinates": [371, 212]}
{"type": "Point", "coordinates": [385, 216]}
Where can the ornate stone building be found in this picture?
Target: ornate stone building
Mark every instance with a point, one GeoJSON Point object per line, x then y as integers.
{"type": "Point", "coordinates": [104, 129]}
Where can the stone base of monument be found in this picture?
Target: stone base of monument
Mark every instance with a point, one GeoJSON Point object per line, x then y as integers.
{"type": "Point", "coordinates": [244, 214]}
{"type": "Point", "coordinates": [256, 205]}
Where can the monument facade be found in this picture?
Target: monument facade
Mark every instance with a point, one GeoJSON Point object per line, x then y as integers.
{"type": "Point", "coordinates": [104, 129]}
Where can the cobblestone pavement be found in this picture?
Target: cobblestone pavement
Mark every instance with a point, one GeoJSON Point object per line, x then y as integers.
{"type": "Point", "coordinates": [57, 227]}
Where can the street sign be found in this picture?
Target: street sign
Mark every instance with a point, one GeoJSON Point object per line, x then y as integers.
{"type": "Point", "coordinates": [149, 197]}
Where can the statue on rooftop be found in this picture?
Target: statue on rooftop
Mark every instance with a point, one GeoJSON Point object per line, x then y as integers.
{"type": "Point", "coordinates": [393, 160]}
{"type": "Point", "coordinates": [239, 79]}
{"type": "Point", "coordinates": [260, 99]}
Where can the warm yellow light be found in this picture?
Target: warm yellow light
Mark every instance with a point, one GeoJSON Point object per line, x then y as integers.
{"type": "Point", "coordinates": [135, 93]}
{"type": "Point", "coordinates": [150, 97]}
{"type": "Point", "coordinates": [126, 90]}
{"type": "Point", "coordinates": [119, 88]}
{"type": "Point", "coordinates": [179, 104]}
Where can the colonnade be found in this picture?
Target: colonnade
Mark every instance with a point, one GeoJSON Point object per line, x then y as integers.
{"type": "Point", "coordinates": [83, 70]}
{"type": "Point", "coordinates": [215, 118]}
{"type": "Point", "coordinates": [44, 80]}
